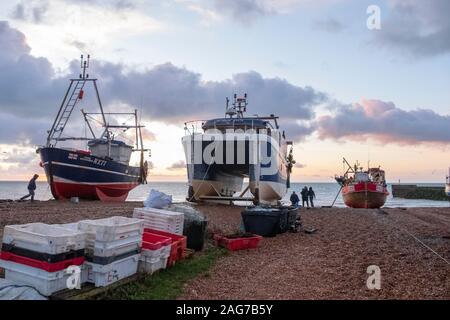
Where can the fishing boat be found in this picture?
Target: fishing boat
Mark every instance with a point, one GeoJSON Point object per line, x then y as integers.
{"type": "Point", "coordinates": [363, 188]}
{"type": "Point", "coordinates": [447, 185]}
{"type": "Point", "coordinates": [222, 153]}
{"type": "Point", "coordinates": [101, 171]}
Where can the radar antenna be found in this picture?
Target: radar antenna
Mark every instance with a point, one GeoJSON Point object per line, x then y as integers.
{"type": "Point", "coordinates": [239, 106]}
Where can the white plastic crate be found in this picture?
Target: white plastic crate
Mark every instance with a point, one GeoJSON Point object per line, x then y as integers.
{"type": "Point", "coordinates": [161, 219]}
{"type": "Point", "coordinates": [163, 252]}
{"type": "Point", "coordinates": [158, 213]}
{"type": "Point", "coordinates": [112, 228]}
{"type": "Point", "coordinates": [44, 238]}
{"type": "Point", "coordinates": [150, 266]}
{"type": "Point", "coordinates": [104, 275]}
{"type": "Point", "coordinates": [71, 226]}
{"type": "Point", "coordinates": [164, 227]}
{"type": "Point", "coordinates": [113, 248]}
{"type": "Point", "coordinates": [45, 282]}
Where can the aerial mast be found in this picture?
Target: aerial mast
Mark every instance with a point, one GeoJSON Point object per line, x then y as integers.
{"type": "Point", "coordinates": [239, 106]}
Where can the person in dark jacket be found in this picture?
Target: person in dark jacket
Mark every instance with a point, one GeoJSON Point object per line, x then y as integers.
{"type": "Point", "coordinates": [31, 188]}
{"type": "Point", "coordinates": [311, 196]}
{"type": "Point", "coordinates": [294, 199]}
{"type": "Point", "coordinates": [305, 196]}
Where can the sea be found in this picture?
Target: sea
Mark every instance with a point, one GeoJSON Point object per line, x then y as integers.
{"type": "Point", "coordinates": [325, 193]}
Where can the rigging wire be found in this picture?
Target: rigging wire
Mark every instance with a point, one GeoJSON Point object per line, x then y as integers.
{"type": "Point", "coordinates": [416, 239]}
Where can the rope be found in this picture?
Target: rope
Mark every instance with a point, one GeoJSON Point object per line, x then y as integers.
{"type": "Point", "coordinates": [418, 240]}
{"type": "Point", "coordinates": [203, 180]}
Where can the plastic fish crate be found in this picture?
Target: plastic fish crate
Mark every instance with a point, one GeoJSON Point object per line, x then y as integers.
{"type": "Point", "coordinates": [111, 259]}
{"type": "Point", "coordinates": [164, 220]}
{"type": "Point", "coordinates": [45, 282]}
{"type": "Point", "coordinates": [112, 228]}
{"type": "Point", "coordinates": [179, 240]}
{"type": "Point", "coordinates": [147, 265]}
{"type": "Point", "coordinates": [156, 246]}
{"type": "Point", "coordinates": [159, 213]}
{"type": "Point", "coordinates": [42, 256]}
{"type": "Point", "coordinates": [234, 244]}
{"type": "Point", "coordinates": [49, 267]}
{"type": "Point", "coordinates": [44, 238]}
{"type": "Point", "coordinates": [113, 248]}
{"type": "Point", "coordinates": [104, 275]}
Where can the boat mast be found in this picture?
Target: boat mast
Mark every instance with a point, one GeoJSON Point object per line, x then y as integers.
{"type": "Point", "coordinates": [73, 95]}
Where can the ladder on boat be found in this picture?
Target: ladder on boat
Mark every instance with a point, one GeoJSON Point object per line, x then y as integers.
{"type": "Point", "coordinates": [73, 95]}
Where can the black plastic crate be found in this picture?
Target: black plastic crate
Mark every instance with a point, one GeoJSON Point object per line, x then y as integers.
{"type": "Point", "coordinates": [42, 256]}
{"type": "Point", "coordinates": [195, 232]}
{"type": "Point", "coordinates": [107, 260]}
{"type": "Point", "coordinates": [266, 222]}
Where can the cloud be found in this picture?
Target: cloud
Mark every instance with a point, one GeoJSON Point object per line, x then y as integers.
{"type": "Point", "coordinates": [170, 94]}
{"type": "Point", "coordinates": [177, 165]}
{"type": "Point", "coordinates": [299, 165]}
{"type": "Point", "coordinates": [27, 85]}
{"type": "Point", "coordinates": [384, 122]}
{"type": "Point", "coordinates": [19, 156]}
{"type": "Point", "coordinates": [32, 11]}
{"type": "Point", "coordinates": [247, 11]}
{"type": "Point", "coordinates": [329, 24]}
{"type": "Point", "coordinates": [416, 27]}
{"type": "Point", "coordinates": [116, 4]}
{"type": "Point", "coordinates": [23, 130]}
{"type": "Point", "coordinates": [208, 15]}
{"type": "Point", "coordinates": [176, 94]}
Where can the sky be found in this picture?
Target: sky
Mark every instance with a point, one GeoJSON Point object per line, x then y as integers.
{"type": "Point", "coordinates": [341, 89]}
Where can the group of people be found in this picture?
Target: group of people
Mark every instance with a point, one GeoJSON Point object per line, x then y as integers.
{"type": "Point", "coordinates": [308, 196]}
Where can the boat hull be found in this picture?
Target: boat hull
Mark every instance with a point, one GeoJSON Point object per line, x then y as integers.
{"type": "Point", "coordinates": [365, 195]}
{"type": "Point", "coordinates": [77, 174]}
{"type": "Point", "coordinates": [226, 179]}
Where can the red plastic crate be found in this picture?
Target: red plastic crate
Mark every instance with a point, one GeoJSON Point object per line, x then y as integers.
{"type": "Point", "coordinates": [49, 267]}
{"type": "Point", "coordinates": [234, 244]}
{"type": "Point", "coordinates": [176, 238]}
{"type": "Point", "coordinates": [152, 241]}
{"type": "Point", "coordinates": [174, 254]}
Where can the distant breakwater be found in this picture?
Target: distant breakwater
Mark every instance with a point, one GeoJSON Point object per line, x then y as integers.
{"type": "Point", "coordinates": [412, 191]}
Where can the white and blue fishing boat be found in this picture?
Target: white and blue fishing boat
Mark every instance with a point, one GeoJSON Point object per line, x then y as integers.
{"type": "Point", "coordinates": [102, 171]}
{"type": "Point", "coordinates": [227, 151]}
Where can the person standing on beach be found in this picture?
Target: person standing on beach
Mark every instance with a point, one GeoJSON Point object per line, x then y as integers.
{"type": "Point", "coordinates": [311, 196]}
{"type": "Point", "coordinates": [31, 188]}
{"type": "Point", "coordinates": [305, 196]}
{"type": "Point", "coordinates": [294, 199]}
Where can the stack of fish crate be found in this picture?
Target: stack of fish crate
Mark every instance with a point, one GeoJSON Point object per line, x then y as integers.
{"type": "Point", "coordinates": [167, 224]}
{"type": "Point", "coordinates": [39, 255]}
{"type": "Point", "coordinates": [113, 248]}
{"type": "Point", "coordinates": [155, 253]}
{"type": "Point", "coordinates": [160, 219]}
{"type": "Point", "coordinates": [178, 245]}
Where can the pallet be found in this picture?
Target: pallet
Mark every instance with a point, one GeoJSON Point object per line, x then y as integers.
{"type": "Point", "coordinates": [89, 291]}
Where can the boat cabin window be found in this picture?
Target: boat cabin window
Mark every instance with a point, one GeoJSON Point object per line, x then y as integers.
{"type": "Point", "coordinates": [117, 150]}
{"type": "Point", "coordinates": [361, 176]}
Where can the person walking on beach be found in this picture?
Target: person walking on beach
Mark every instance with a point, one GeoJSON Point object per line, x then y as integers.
{"type": "Point", "coordinates": [305, 196]}
{"type": "Point", "coordinates": [31, 188]}
{"type": "Point", "coordinates": [294, 199]}
{"type": "Point", "coordinates": [311, 196]}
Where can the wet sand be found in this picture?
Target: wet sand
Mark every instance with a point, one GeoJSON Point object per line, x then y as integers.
{"type": "Point", "coordinates": [329, 264]}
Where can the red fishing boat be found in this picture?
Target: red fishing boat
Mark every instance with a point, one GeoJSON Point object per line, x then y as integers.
{"type": "Point", "coordinates": [363, 188]}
